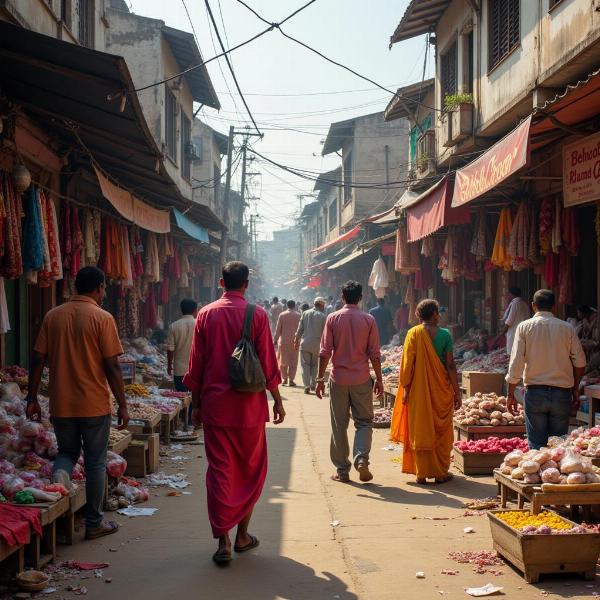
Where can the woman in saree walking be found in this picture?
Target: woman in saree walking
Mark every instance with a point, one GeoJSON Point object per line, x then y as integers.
{"type": "Point", "coordinates": [427, 396]}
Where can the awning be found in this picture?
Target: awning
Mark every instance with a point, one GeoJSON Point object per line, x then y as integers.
{"type": "Point", "coordinates": [292, 281]}
{"type": "Point", "coordinates": [407, 100]}
{"type": "Point", "coordinates": [432, 210]}
{"type": "Point", "coordinates": [393, 215]}
{"type": "Point", "coordinates": [132, 208]}
{"type": "Point", "coordinates": [420, 17]}
{"type": "Point", "coordinates": [192, 229]}
{"type": "Point", "coordinates": [347, 259]}
{"type": "Point", "coordinates": [495, 165]}
{"type": "Point", "coordinates": [342, 238]}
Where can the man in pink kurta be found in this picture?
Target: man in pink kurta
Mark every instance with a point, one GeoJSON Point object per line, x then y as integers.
{"type": "Point", "coordinates": [285, 334]}
{"type": "Point", "coordinates": [233, 422]}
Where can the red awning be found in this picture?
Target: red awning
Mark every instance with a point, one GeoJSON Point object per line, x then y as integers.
{"type": "Point", "coordinates": [343, 238]}
{"type": "Point", "coordinates": [495, 165]}
{"type": "Point", "coordinates": [432, 210]}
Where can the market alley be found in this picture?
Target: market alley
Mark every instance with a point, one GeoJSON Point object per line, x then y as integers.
{"type": "Point", "coordinates": [387, 531]}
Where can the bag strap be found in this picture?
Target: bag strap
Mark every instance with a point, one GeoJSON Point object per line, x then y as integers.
{"type": "Point", "coordinates": [248, 316]}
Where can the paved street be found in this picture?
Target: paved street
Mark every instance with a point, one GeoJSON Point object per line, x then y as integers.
{"type": "Point", "coordinates": [386, 533]}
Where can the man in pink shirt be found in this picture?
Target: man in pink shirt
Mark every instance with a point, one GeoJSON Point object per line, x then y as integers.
{"type": "Point", "coordinates": [350, 340]}
{"type": "Point", "coordinates": [234, 422]}
{"type": "Point", "coordinates": [285, 334]}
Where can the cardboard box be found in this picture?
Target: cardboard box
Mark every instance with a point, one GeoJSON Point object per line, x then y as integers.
{"type": "Point", "coordinates": [486, 383]}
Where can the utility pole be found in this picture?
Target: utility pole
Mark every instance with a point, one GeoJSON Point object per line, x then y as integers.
{"type": "Point", "coordinates": [224, 233]}
{"type": "Point", "coordinates": [242, 200]}
{"type": "Point", "coordinates": [301, 244]}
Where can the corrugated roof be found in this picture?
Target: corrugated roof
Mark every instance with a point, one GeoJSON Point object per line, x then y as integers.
{"type": "Point", "coordinates": [420, 17]}
{"type": "Point", "coordinates": [187, 54]}
{"type": "Point", "coordinates": [309, 210]}
{"type": "Point", "coordinates": [338, 132]}
{"type": "Point", "coordinates": [406, 100]}
{"type": "Point", "coordinates": [326, 180]}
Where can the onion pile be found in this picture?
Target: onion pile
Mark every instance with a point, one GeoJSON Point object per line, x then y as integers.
{"type": "Point", "coordinates": [492, 445]}
{"type": "Point", "coordinates": [487, 409]}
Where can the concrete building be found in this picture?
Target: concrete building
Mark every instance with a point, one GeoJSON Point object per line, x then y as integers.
{"type": "Point", "coordinates": [374, 161]}
{"type": "Point", "coordinates": [81, 22]}
{"type": "Point", "coordinates": [279, 258]}
{"type": "Point", "coordinates": [155, 52]}
{"type": "Point", "coordinates": [496, 61]}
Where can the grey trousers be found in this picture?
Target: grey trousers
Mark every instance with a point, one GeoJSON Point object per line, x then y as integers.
{"type": "Point", "coordinates": [358, 401]}
{"type": "Point", "coordinates": [310, 363]}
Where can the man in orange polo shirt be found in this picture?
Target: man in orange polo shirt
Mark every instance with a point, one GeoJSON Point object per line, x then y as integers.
{"type": "Point", "coordinates": [81, 344]}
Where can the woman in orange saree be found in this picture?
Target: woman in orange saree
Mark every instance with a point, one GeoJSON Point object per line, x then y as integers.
{"type": "Point", "coordinates": [427, 396]}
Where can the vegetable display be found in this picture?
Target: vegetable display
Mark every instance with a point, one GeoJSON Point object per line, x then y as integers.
{"type": "Point", "coordinates": [544, 523]}
{"type": "Point", "coordinates": [487, 410]}
{"type": "Point", "coordinates": [492, 445]}
{"type": "Point", "coordinates": [137, 389]}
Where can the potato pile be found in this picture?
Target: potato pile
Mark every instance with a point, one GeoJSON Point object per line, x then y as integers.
{"type": "Point", "coordinates": [139, 411]}
{"type": "Point", "coordinates": [487, 409]}
{"type": "Point", "coordinates": [116, 436]}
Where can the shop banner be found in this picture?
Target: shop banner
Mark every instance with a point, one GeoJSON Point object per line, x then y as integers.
{"type": "Point", "coordinates": [581, 170]}
{"type": "Point", "coordinates": [121, 199]}
{"type": "Point", "coordinates": [498, 163]}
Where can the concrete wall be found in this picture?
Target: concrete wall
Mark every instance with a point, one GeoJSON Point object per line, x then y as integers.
{"type": "Point", "coordinates": [203, 171]}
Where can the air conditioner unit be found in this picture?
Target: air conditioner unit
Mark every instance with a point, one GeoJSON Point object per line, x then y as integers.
{"type": "Point", "coordinates": [193, 151]}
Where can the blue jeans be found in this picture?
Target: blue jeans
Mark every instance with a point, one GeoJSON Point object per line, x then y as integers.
{"type": "Point", "coordinates": [179, 387]}
{"type": "Point", "coordinates": [547, 413]}
{"type": "Point", "coordinates": [91, 434]}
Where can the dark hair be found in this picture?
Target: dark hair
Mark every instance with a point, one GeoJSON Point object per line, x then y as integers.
{"type": "Point", "coordinates": [305, 306]}
{"type": "Point", "coordinates": [89, 279]}
{"type": "Point", "coordinates": [585, 310]}
{"type": "Point", "coordinates": [381, 301]}
{"type": "Point", "coordinates": [352, 292]}
{"type": "Point", "coordinates": [515, 291]}
{"type": "Point", "coordinates": [235, 275]}
{"type": "Point", "coordinates": [188, 306]}
{"type": "Point", "coordinates": [427, 308]}
{"type": "Point", "coordinates": [275, 299]}
{"type": "Point", "coordinates": [330, 299]}
{"type": "Point", "coordinates": [544, 299]}
{"type": "Point", "coordinates": [291, 304]}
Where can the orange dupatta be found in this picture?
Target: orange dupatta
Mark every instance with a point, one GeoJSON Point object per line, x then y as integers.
{"type": "Point", "coordinates": [424, 424]}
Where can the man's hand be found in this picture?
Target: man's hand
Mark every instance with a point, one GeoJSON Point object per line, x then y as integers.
{"type": "Point", "coordinates": [320, 389]}
{"type": "Point", "coordinates": [170, 370]}
{"type": "Point", "coordinates": [405, 394]}
{"type": "Point", "coordinates": [196, 417]}
{"type": "Point", "coordinates": [278, 413]}
{"type": "Point", "coordinates": [457, 399]}
{"type": "Point", "coordinates": [512, 405]}
{"type": "Point", "coordinates": [575, 402]}
{"type": "Point", "coordinates": [33, 410]}
{"type": "Point", "coordinates": [123, 417]}
{"type": "Point", "coordinates": [378, 389]}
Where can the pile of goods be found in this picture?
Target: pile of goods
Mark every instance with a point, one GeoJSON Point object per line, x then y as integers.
{"type": "Point", "coordinates": [544, 523]}
{"type": "Point", "coordinates": [487, 410]}
{"type": "Point", "coordinates": [558, 465]}
{"type": "Point", "coordinates": [139, 411]}
{"type": "Point", "coordinates": [149, 359]}
{"type": "Point", "coordinates": [382, 417]}
{"type": "Point", "coordinates": [164, 401]}
{"type": "Point", "coordinates": [587, 441]}
{"type": "Point", "coordinates": [492, 445]}
{"type": "Point", "coordinates": [123, 492]}
{"type": "Point", "coordinates": [494, 362]}
{"type": "Point", "coordinates": [115, 436]}
{"type": "Point", "coordinates": [390, 365]}
{"type": "Point", "coordinates": [173, 394]}
{"type": "Point", "coordinates": [15, 374]}
{"type": "Point", "coordinates": [137, 390]}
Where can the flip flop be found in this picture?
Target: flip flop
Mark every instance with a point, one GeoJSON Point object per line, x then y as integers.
{"type": "Point", "coordinates": [340, 478]}
{"type": "Point", "coordinates": [106, 528]}
{"type": "Point", "coordinates": [253, 544]}
{"type": "Point", "coordinates": [422, 481]}
{"type": "Point", "coordinates": [222, 557]}
{"type": "Point", "coordinates": [445, 479]}
{"type": "Point", "coordinates": [365, 473]}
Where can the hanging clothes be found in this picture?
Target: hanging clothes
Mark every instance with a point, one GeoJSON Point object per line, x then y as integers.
{"type": "Point", "coordinates": [565, 277]}
{"type": "Point", "coordinates": [150, 313]}
{"type": "Point", "coordinates": [556, 228]}
{"type": "Point", "coordinates": [500, 256]}
{"type": "Point", "coordinates": [551, 269]}
{"type": "Point", "coordinates": [518, 247]}
{"type": "Point", "coordinates": [33, 244]}
{"type": "Point", "coordinates": [407, 255]}
{"type": "Point", "coordinates": [379, 279]}
{"type": "Point", "coordinates": [410, 299]}
{"type": "Point", "coordinates": [43, 208]}
{"type": "Point", "coordinates": [76, 243]}
{"type": "Point", "coordinates": [546, 225]}
{"type": "Point", "coordinates": [132, 307]}
{"type": "Point", "coordinates": [424, 277]}
{"type": "Point", "coordinates": [533, 248]}
{"type": "Point", "coordinates": [4, 317]}
{"type": "Point", "coordinates": [152, 265]}
{"type": "Point", "coordinates": [90, 239]}
{"type": "Point", "coordinates": [126, 252]}
{"type": "Point", "coordinates": [184, 281]}
{"type": "Point", "coordinates": [137, 249]}
{"type": "Point", "coordinates": [570, 231]}
{"type": "Point", "coordinates": [468, 266]}
{"type": "Point", "coordinates": [428, 247]}
{"type": "Point", "coordinates": [54, 271]}
{"type": "Point", "coordinates": [448, 265]}
{"type": "Point", "coordinates": [480, 243]}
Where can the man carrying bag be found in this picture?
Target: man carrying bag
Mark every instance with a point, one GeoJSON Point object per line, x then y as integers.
{"type": "Point", "coordinates": [232, 364]}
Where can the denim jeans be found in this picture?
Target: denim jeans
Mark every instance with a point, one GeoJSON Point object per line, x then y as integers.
{"type": "Point", "coordinates": [179, 387]}
{"type": "Point", "coordinates": [547, 413]}
{"type": "Point", "coordinates": [91, 434]}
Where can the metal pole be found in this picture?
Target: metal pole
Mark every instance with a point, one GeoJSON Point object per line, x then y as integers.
{"type": "Point", "coordinates": [224, 233]}
{"type": "Point", "coordinates": [242, 202]}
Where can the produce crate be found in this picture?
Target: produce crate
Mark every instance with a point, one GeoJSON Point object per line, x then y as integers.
{"type": "Point", "coordinates": [168, 423]}
{"type": "Point", "coordinates": [152, 453]}
{"type": "Point", "coordinates": [481, 432]}
{"type": "Point", "coordinates": [42, 549]}
{"type": "Point", "coordinates": [477, 463]}
{"type": "Point", "coordinates": [145, 425]}
{"type": "Point", "coordinates": [479, 381]}
{"type": "Point", "coordinates": [535, 555]}
{"type": "Point", "coordinates": [135, 455]}
{"type": "Point", "coordinates": [119, 446]}
{"type": "Point", "coordinates": [67, 522]}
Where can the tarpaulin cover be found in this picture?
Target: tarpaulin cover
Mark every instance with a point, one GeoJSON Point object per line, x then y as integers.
{"type": "Point", "coordinates": [343, 238]}
{"type": "Point", "coordinates": [433, 211]}
{"type": "Point", "coordinates": [192, 229]}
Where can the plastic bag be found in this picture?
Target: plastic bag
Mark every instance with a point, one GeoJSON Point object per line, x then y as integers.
{"type": "Point", "coordinates": [571, 462]}
{"type": "Point", "coordinates": [31, 429]}
{"type": "Point", "coordinates": [6, 467]}
{"type": "Point", "coordinates": [576, 478]}
{"type": "Point", "coordinates": [513, 458]}
{"type": "Point", "coordinates": [115, 465]}
{"type": "Point", "coordinates": [11, 486]}
{"type": "Point", "coordinates": [551, 475]}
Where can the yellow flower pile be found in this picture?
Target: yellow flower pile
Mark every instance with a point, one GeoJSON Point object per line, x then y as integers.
{"type": "Point", "coordinates": [137, 389]}
{"type": "Point", "coordinates": [518, 520]}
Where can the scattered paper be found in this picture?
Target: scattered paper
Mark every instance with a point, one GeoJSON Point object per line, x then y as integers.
{"type": "Point", "coordinates": [49, 590]}
{"type": "Point", "coordinates": [449, 572]}
{"type": "Point", "coordinates": [469, 530]}
{"type": "Point", "coordinates": [175, 482]}
{"type": "Point", "coordinates": [420, 575]}
{"type": "Point", "coordinates": [134, 511]}
{"type": "Point", "coordinates": [390, 448]}
{"type": "Point", "coordinates": [179, 457]}
{"type": "Point", "coordinates": [334, 523]}
{"type": "Point", "coordinates": [176, 447]}
{"type": "Point", "coordinates": [487, 590]}
{"type": "Point", "coordinates": [186, 493]}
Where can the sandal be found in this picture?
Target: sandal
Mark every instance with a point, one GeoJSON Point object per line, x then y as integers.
{"type": "Point", "coordinates": [222, 557]}
{"type": "Point", "coordinates": [253, 544]}
{"type": "Point", "coordinates": [106, 528]}
{"type": "Point", "coordinates": [422, 481]}
{"type": "Point", "coordinates": [340, 478]}
{"type": "Point", "coordinates": [445, 479]}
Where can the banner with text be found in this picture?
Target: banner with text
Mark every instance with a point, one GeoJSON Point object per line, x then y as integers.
{"type": "Point", "coordinates": [581, 170]}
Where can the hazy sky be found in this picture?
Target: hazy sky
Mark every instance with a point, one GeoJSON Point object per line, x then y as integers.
{"type": "Point", "coordinates": [282, 81]}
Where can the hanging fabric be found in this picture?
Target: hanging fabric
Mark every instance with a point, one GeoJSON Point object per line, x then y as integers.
{"type": "Point", "coordinates": [53, 269]}
{"type": "Point", "coordinates": [570, 231]}
{"type": "Point", "coordinates": [184, 281]}
{"type": "Point", "coordinates": [551, 269]}
{"type": "Point", "coordinates": [556, 228]}
{"type": "Point", "coordinates": [517, 245]}
{"type": "Point", "coordinates": [468, 265]}
{"type": "Point", "coordinates": [4, 317]}
{"type": "Point", "coordinates": [428, 247]}
{"type": "Point", "coordinates": [533, 248]}
{"type": "Point", "coordinates": [480, 243]}
{"type": "Point", "coordinates": [152, 264]}
{"type": "Point", "coordinates": [379, 280]}
{"type": "Point", "coordinates": [150, 313]}
{"type": "Point", "coordinates": [424, 277]}
{"type": "Point", "coordinates": [33, 244]}
{"type": "Point", "coordinates": [546, 225]}
{"type": "Point", "coordinates": [410, 299]}
{"type": "Point", "coordinates": [76, 243]}
{"type": "Point", "coordinates": [565, 277]}
{"type": "Point", "coordinates": [500, 256]}
{"type": "Point", "coordinates": [407, 255]}
{"type": "Point", "coordinates": [447, 264]}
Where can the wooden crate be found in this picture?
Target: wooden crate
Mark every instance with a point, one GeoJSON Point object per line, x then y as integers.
{"type": "Point", "coordinates": [67, 522]}
{"type": "Point", "coordinates": [42, 549]}
{"type": "Point", "coordinates": [152, 453]}
{"type": "Point", "coordinates": [168, 425]}
{"type": "Point", "coordinates": [535, 554]}
{"type": "Point", "coordinates": [486, 383]}
{"type": "Point", "coordinates": [481, 432]}
{"type": "Point", "coordinates": [135, 455]}
{"type": "Point", "coordinates": [145, 426]}
{"type": "Point", "coordinates": [121, 444]}
{"type": "Point", "coordinates": [477, 463]}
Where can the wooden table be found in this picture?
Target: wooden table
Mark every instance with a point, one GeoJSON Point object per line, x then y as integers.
{"type": "Point", "coordinates": [592, 393]}
{"type": "Point", "coordinates": [538, 499]}
{"type": "Point", "coordinates": [480, 432]}
{"type": "Point", "coordinates": [76, 503]}
{"type": "Point", "coordinates": [121, 445]}
{"type": "Point", "coordinates": [168, 423]}
{"type": "Point", "coordinates": [42, 549]}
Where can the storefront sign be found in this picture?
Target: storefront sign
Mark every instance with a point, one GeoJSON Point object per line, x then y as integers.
{"type": "Point", "coordinates": [494, 166]}
{"type": "Point", "coordinates": [581, 171]}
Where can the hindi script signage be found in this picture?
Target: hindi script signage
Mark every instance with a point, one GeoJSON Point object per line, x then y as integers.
{"type": "Point", "coordinates": [581, 170]}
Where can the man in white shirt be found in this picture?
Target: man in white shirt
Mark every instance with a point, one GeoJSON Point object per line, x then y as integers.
{"type": "Point", "coordinates": [179, 344]}
{"type": "Point", "coordinates": [516, 312]}
{"type": "Point", "coordinates": [548, 356]}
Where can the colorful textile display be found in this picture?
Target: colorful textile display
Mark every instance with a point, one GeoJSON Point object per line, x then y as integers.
{"type": "Point", "coordinates": [518, 247]}
{"type": "Point", "coordinates": [152, 263]}
{"type": "Point", "coordinates": [533, 247]}
{"type": "Point", "coordinates": [33, 245]}
{"type": "Point", "coordinates": [570, 231]}
{"type": "Point", "coordinates": [556, 228]}
{"type": "Point", "coordinates": [480, 244]}
{"type": "Point", "coordinates": [500, 255]}
{"type": "Point", "coordinates": [551, 269]}
{"type": "Point", "coordinates": [53, 270]}
{"type": "Point", "coordinates": [379, 280]}
{"type": "Point", "coordinates": [407, 255]}
{"type": "Point", "coordinates": [546, 225]}
{"type": "Point", "coordinates": [12, 263]}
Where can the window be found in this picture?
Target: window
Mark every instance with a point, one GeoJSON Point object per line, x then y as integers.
{"type": "Point", "coordinates": [504, 29]}
{"type": "Point", "coordinates": [171, 123]}
{"type": "Point", "coordinates": [86, 23]}
{"type": "Point", "coordinates": [333, 213]}
{"type": "Point", "coordinates": [449, 72]}
{"type": "Point", "coordinates": [348, 178]}
{"type": "Point", "coordinates": [186, 159]}
{"type": "Point", "coordinates": [467, 63]}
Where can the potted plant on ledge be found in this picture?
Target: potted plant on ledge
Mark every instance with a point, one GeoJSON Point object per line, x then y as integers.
{"type": "Point", "coordinates": [459, 108]}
